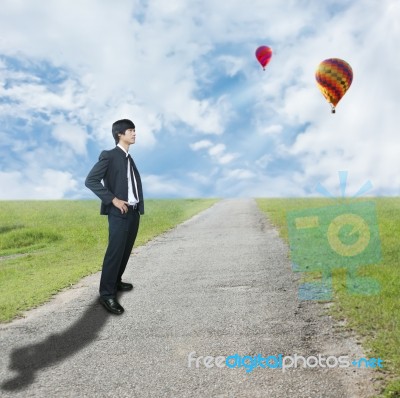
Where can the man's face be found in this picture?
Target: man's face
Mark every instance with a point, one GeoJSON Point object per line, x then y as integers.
{"type": "Point", "coordinates": [129, 137]}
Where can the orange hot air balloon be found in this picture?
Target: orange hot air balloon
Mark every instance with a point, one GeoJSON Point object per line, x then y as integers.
{"type": "Point", "coordinates": [263, 54]}
{"type": "Point", "coordinates": [334, 77]}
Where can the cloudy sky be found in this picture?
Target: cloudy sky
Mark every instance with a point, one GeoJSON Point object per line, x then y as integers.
{"type": "Point", "coordinates": [209, 120]}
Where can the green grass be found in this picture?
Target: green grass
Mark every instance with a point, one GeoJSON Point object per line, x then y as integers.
{"type": "Point", "coordinates": [46, 246]}
{"type": "Point", "coordinates": [375, 317]}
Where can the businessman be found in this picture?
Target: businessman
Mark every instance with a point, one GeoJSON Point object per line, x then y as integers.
{"type": "Point", "coordinates": [122, 201]}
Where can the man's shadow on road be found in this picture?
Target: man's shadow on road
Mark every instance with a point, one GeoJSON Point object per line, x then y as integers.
{"type": "Point", "coordinates": [31, 358]}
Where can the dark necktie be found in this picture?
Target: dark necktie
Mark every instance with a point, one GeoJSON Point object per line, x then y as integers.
{"type": "Point", "coordinates": [132, 170]}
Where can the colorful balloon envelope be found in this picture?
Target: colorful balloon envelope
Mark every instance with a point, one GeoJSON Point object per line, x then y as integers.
{"type": "Point", "coordinates": [334, 77]}
{"type": "Point", "coordinates": [263, 55]}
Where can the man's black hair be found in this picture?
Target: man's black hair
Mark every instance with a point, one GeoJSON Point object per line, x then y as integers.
{"type": "Point", "coordinates": [120, 126]}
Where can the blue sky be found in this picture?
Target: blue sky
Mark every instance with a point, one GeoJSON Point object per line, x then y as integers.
{"type": "Point", "coordinates": [209, 120]}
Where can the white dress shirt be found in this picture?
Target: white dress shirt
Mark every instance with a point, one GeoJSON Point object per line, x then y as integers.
{"type": "Point", "coordinates": [131, 197]}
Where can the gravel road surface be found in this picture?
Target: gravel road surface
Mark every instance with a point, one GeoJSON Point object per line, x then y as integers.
{"type": "Point", "coordinates": [219, 284]}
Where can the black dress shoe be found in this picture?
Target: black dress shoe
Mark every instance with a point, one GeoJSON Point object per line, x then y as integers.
{"type": "Point", "coordinates": [123, 287]}
{"type": "Point", "coordinates": [112, 305]}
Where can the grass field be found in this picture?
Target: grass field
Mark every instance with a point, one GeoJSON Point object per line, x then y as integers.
{"type": "Point", "coordinates": [46, 246]}
{"type": "Point", "coordinates": [375, 317]}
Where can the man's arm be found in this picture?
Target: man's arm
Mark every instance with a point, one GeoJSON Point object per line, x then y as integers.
{"type": "Point", "coordinates": [93, 180]}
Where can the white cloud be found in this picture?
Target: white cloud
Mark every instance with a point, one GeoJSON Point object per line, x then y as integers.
{"type": "Point", "coordinates": [28, 96]}
{"type": "Point", "coordinates": [203, 144]}
{"type": "Point", "coordinates": [271, 130]}
{"type": "Point", "coordinates": [240, 174]}
{"type": "Point", "coordinates": [231, 64]}
{"type": "Point", "coordinates": [73, 136]}
{"type": "Point", "coordinates": [217, 150]}
{"type": "Point", "coordinates": [49, 184]}
{"type": "Point", "coordinates": [199, 178]}
{"type": "Point", "coordinates": [263, 161]}
{"type": "Point", "coordinates": [227, 158]}
{"type": "Point", "coordinates": [162, 186]}
{"type": "Point", "coordinates": [218, 154]}
{"type": "Point", "coordinates": [247, 183]}
{"type": "Point", "coordinates": [267, 186]}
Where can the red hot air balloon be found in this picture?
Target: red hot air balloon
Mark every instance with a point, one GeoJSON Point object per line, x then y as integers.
{"type": "Point", "coordinates": [334, 77]}
{"type": "Point", "coordinates": [263, 54]}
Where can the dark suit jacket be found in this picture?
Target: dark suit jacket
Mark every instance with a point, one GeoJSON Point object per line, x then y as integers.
{"type": "Point", "coordinates": [112, 169]}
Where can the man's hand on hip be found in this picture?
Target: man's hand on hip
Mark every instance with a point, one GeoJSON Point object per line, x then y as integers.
{"type": "Point", "coordinates": [120, 204]}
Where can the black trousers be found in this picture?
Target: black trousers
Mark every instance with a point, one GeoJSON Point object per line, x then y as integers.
{"type": "Point", "coordinates": [122, 234]}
